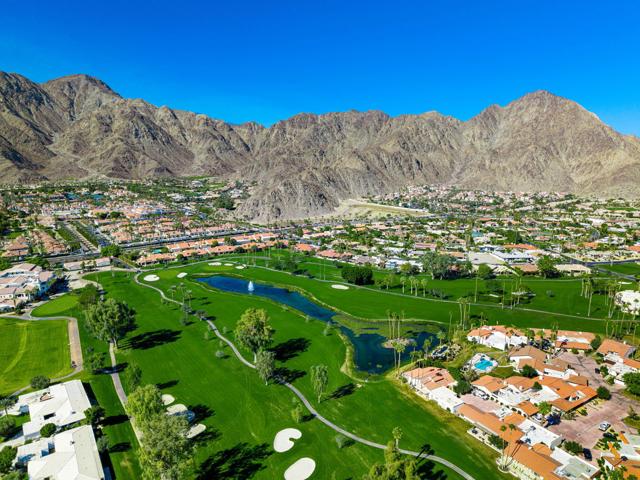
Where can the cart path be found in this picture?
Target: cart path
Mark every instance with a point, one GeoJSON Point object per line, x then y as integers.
{"type": "Point", "coordinates": [307, 404]}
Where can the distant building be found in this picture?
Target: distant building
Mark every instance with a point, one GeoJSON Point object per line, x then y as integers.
{"type": "Point", "coordinates": [22, 283]}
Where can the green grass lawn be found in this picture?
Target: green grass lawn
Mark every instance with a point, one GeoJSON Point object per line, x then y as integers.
{"type": "Point", "coordinates": [30, 348]}
{"type": "Point", "coordinates": [624, 268]}
{"type": "Point", "coordinates": [56, 306]}
{"type": "Point", "coordinates": [564, 307]}
{"type": "Point", "coordinates": [245, 415]}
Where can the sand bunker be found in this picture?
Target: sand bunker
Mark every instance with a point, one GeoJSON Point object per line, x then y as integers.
{"type": "Point", "coordinates": [215, 264]}
{"type": "Point", "coordinates": [182, 274]}
{"type": "Point", "coordinates": [337, 286]}
{"type": "Point", "coordinates": [282, 442]}
{"type": "Point", "coordinates": [228, 264]}
{"type": "Point", "coordinates": [151, 278]}
{"type": "Point", "coordinates": [301, 470]}
{"type": "Point", "coordinates": [178, 409]}
{"type": "Point", "coordinates": [167, 399]}
{"type": "Point", "coordinates": [240, 267]}
{"type": "Point", "coordinates": [196, 430]}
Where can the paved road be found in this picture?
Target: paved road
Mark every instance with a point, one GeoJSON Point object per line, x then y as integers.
{"type": "Point", "coordinates": [307, 404]}
{"type": "Point", "coordinates": [75, 348]}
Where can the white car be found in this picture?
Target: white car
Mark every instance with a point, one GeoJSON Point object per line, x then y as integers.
{"type": "Point", "coordinates": [604, 426]}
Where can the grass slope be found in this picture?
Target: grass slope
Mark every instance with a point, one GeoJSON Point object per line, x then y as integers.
{"type": "Point", "coordinates": [30, 348]}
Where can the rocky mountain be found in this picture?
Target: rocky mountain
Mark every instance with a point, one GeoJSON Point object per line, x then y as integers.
{"type": "Point", "coordinates": [77, 127]}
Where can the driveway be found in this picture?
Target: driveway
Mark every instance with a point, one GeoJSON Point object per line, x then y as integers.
{"type": "Point", "coordinates": [584, 366]}
{"type": "Point", "coordinates": [584, 429]}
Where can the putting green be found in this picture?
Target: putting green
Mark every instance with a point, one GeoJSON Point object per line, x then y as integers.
{"type": "Point", "coordinates": [30, 348]}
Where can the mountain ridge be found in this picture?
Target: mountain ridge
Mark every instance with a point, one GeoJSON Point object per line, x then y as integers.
{"type": "Point", "coordinates": [77, 126]}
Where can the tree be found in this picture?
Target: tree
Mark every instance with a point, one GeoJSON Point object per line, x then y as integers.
{"type": "Point", "coordinates": [484, 272]}
{"type": "Point", "coordinates": [603, 393]}
{"type": "Point", "coordinates": [94, 415]}
{"type": "Point", "coordinates": [47, 430]}
{"type": "Point", "coordinates": [134, 376]}
{"type": "Point", "coordinates": [572, 447]}
{"type": "Point", "coordinates": [7, 455]}
{"type": "Point", "coordinates": [40, 382]}
{"type": "Point", "coordinates": [395, 467]}
{"type": "Point", "coordinates": [544, 408]}
{"type": "Point", "coordinates": [109, 320]}
{"type": "Point", "coordinates": [596, 342]}
{"type": "Point", "coordinates": [88, 295]}
{"type": "Point", "coordinates": [7, 402]}
{"type": "Point", "coordinates": [529, 372]}
{"type": "Point", "coordinates": [462, 387]}
{"type": "Point", "coordinates": [358, 275]}
{"type": "Point", "coordinates": [8, 426]}
{"type": "Point", "coordinates": [167, 451]}
{"type": "Point", "coordinates": [110, 251]}
{"type": "Point", "coordinates": [632, 381]}
{"type": "Point", "coordinates": [253, 331]}
{"type": "Point", "coordinates": [297, 413]}
{"type": "Point", "coordinates": [102, 443]}
{"type": "Point", "coordinates": [547, 267]}
{"type": "Point", "coordinates": [397, 435]}
{"type": "Point", "coordinates": [95, 362]}
{"type": "Point", "coordinates": [319, 379]}
{"type": "Point", "coordinates": [265, 365]}
{"type": "Point", "coordinates": [143, 404]}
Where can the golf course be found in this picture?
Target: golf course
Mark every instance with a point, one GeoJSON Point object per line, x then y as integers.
{"type": "Point", "coordinates": [182, 356]}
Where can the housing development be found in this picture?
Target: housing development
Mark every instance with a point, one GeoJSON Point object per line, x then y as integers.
{"type": "Point", "coordinates": [467, 334]}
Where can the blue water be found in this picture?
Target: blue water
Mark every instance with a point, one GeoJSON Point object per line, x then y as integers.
{"type": "Point", "coordinates": [369, 354]}
{"type": "Point", "coordinates": [483, 364]}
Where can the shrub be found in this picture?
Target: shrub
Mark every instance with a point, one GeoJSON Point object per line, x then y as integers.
{"type": "Point", "coordinates": [603, 393]}
{"type": "Point", "coordinates": [357, 275]}
{"type": "Point", "coordinates": [7, 426]}
{"type": "Point", "coordinates": [529, 372]}
{"type": "Point", "coordinates": [463, 387]}
{"type": "Point", "coordinates": [47, 430]}
{"type": "Point", "coordinates": [40, 382]}
{"type": "Point", "coordinates": [7, 454]}
{"type": "Point", "coordinates": [342, 441]}
{"type": "Point", "coordinates": [220, 354]}
{"type": "Point", "coordinates": [573, 447]}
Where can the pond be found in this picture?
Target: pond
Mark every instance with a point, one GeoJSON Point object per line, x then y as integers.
{"type": "Point", "coordinates": [369, 353]}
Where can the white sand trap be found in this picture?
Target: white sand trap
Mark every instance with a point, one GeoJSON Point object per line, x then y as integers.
{"type": "Point", "coordinates": [167, 399]}
{"type": "Point", "coordinates": [240, 267]}
{"type": "Point", "coordinates": [178, 409]}
{"type": "Point", "coordinates": [196, 430]}
{"type": "Point", "coordinates": [215, 264]}
{"type": "Point", "coordinates": [337, 286]}
{"type": "Point", "coordinates": [228, 264]}
{"type": "Point", "coordinates": [182, 274]}
{"type": "Point", "coordinates": [282, 442]}
{"type": "Point", "coordinates": [301, 470]}
{"type": "Point", "coordinates": [151, 278]}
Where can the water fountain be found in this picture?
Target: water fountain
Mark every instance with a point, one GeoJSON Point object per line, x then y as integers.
{"type": "Point", "coordinates": [250, 287]}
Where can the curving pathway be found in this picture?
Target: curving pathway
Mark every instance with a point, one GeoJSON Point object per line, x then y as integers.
{"type": "Point", "coordinates": [310, 407]}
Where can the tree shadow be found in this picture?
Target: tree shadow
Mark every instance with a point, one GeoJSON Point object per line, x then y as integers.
{"type": "Point", "coordinates": [290, 349]}
{"type": "Point", "coordinates": [114, 420]}
{"type": "Point", "coordinates": [288, 375]}
{"type": "Point", "coordinates": [343, 391]}
{"type": "Point", "coordinates": [426, 468]}
{"type": "Point", "coordinates": [120, 447]}
{"type": "Point", "coordinates": [201, 412]}
{"type": "Point", "coordinates": [242, 461]}
{"type": "Point", "coordinates": [118, 368]}
{"type": "Point", "coordinates": [168, 384]}
{"type": "Point", "coordinates": [153, 339]}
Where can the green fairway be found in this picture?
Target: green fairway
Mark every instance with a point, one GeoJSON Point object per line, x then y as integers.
{"type": "Point", "coordinates": [57, 306]}
{"type": "Point", "coordinates": [556, 301]}
{"type": "Point", "coordinates": [245, 414]}
{"type": "Point", "coordinates": [624, 268]}
{"type": "Point", "coordinates": [30, 348]}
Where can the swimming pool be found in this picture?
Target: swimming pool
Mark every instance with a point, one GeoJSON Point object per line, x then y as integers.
{"type": "Point", "coordinates": [483, 365]}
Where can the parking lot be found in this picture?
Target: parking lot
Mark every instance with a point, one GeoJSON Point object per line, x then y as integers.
{"type": "Point", "coordinates": [584, 429]}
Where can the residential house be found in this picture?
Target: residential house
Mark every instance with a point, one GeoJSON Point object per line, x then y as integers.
{"type": "Point", "coordinates": [497, 336]}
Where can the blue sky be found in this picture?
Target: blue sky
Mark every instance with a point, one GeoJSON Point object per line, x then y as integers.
{"type": "Point", "coordinates": [268, 60]}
